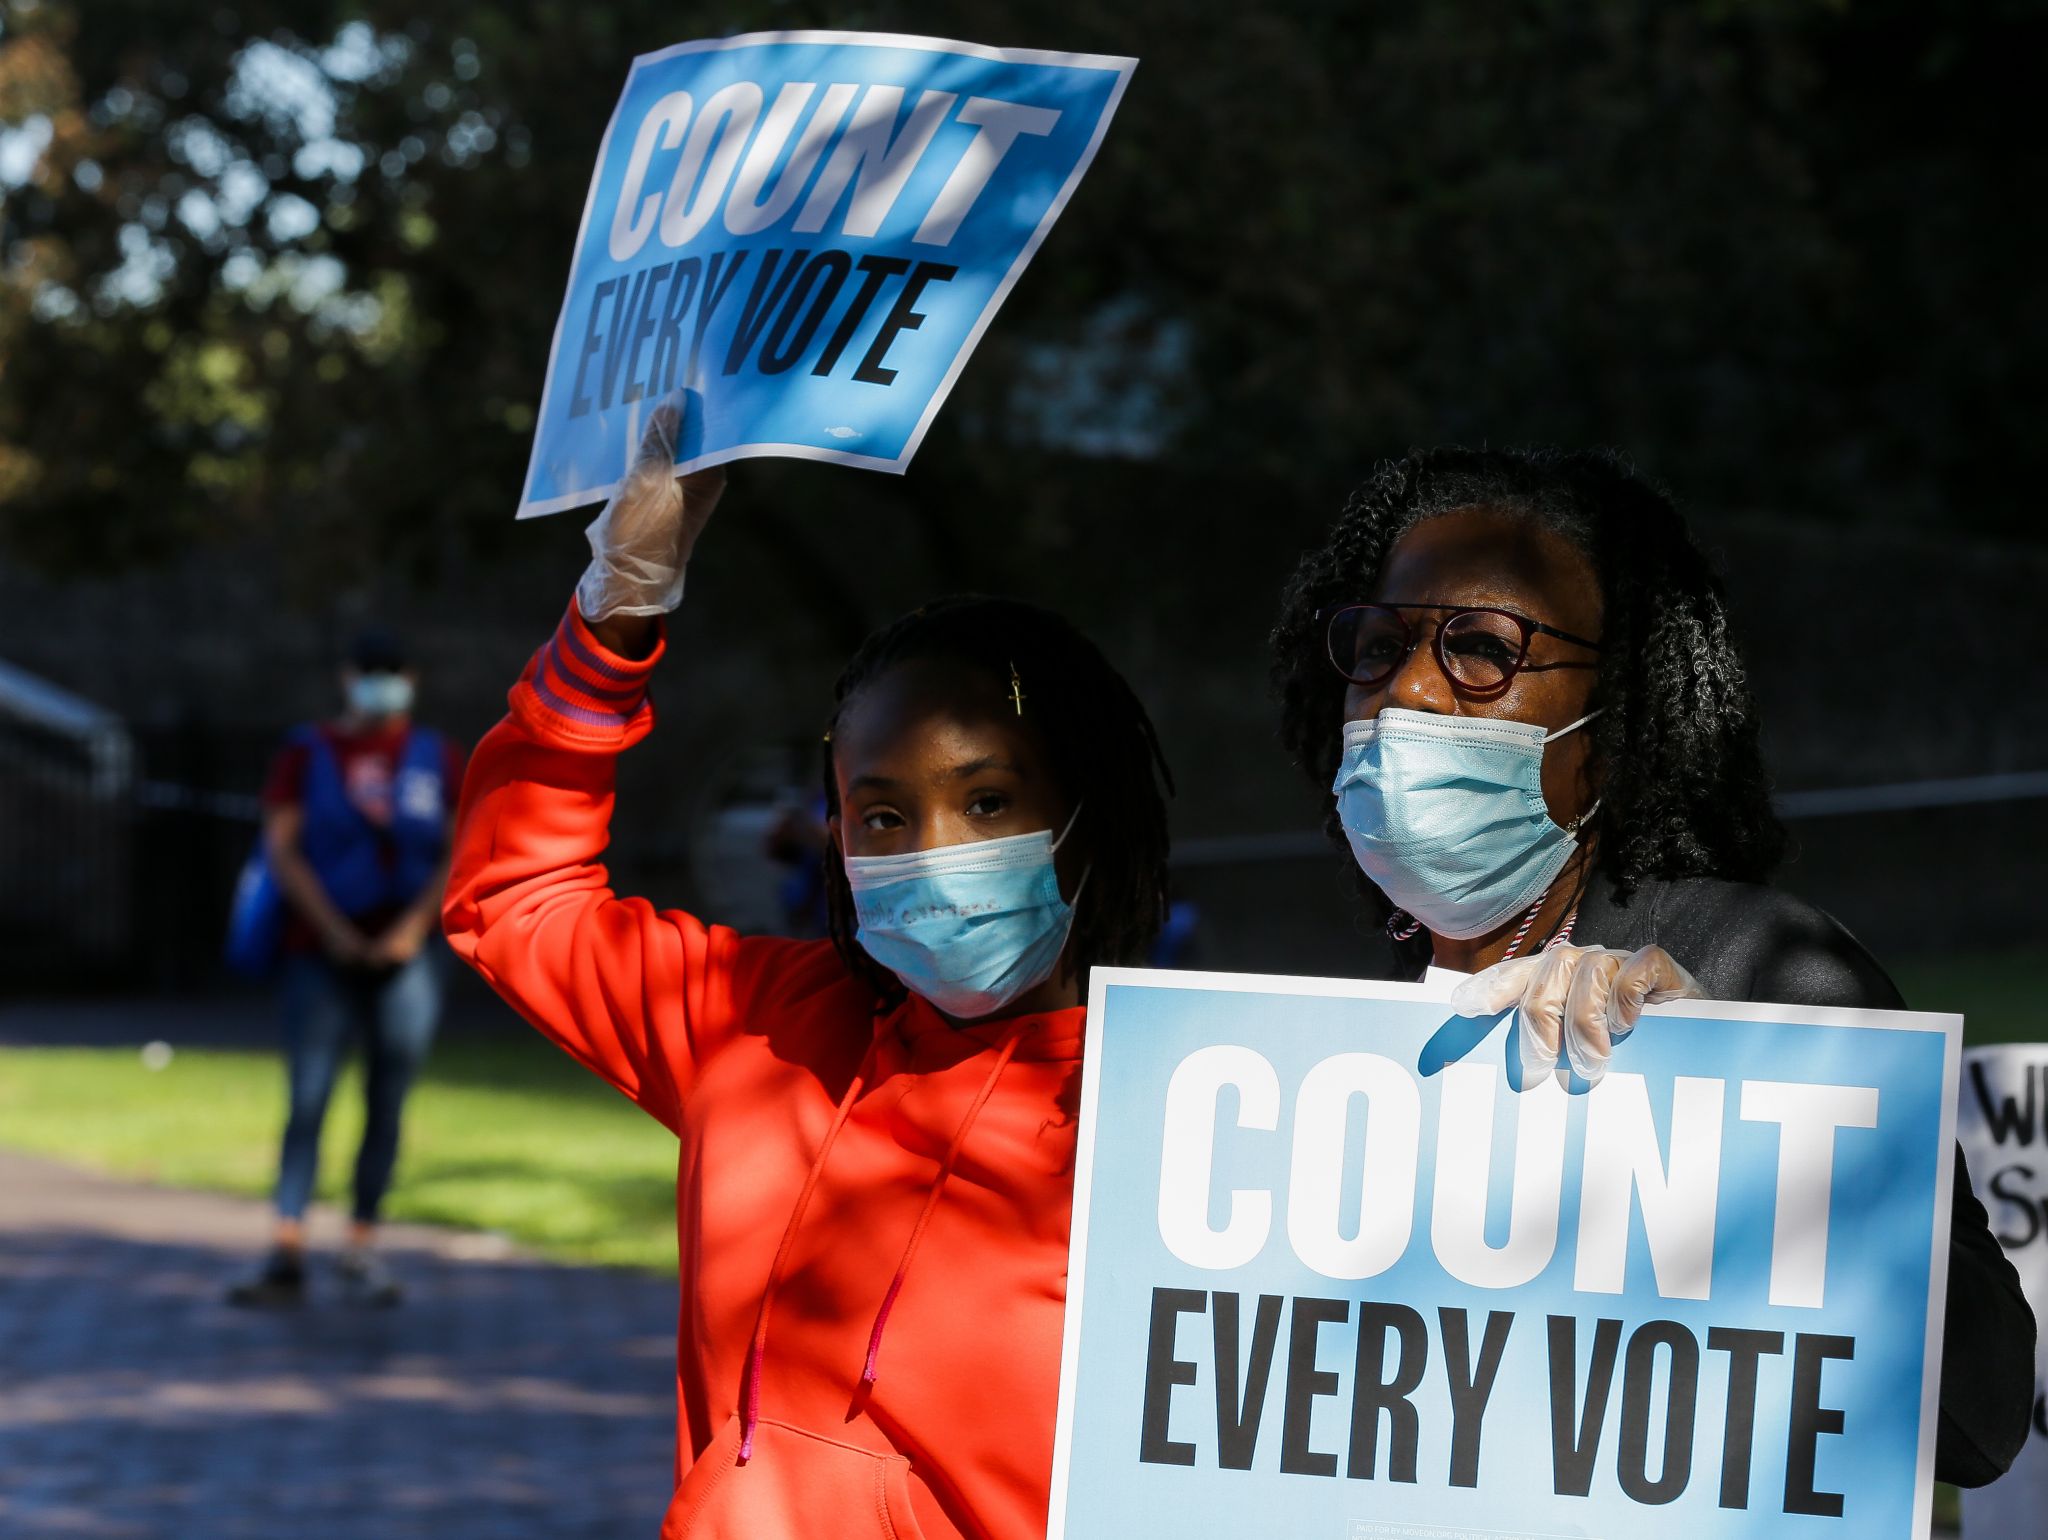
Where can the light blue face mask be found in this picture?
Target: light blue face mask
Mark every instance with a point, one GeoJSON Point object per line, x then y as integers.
{"type": "Point", "coordinates": [969, 927]}
{"type": "Point", "coordinates": [379, 694]}
{"type": "Point", "coordinates": [1446, 815]}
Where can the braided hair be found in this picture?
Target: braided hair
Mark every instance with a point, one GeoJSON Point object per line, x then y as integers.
{"type": "Point", "coordinates": [1675, 749]}
{"type": "Point", "coordinates": [1103, 751]}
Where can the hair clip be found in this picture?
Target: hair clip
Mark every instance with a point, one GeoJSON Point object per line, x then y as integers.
{"type": "Point", "coordinates": [1016, 690]}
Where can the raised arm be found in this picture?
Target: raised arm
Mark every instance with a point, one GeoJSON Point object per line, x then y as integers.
{"type": "Point", "coordinates": [637, 995]}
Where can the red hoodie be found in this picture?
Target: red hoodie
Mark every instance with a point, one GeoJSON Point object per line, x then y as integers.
{"type": "Point", "coordinates": [824, 1383]}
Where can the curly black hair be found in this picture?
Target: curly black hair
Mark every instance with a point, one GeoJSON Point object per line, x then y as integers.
{"type": "Point", "coordinates": [1103, 750]}
{"type": "Point", "coordinates": [1675, 749]}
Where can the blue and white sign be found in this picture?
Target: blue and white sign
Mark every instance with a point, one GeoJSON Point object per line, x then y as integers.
{"type": "Point", "coordinates": [806, 233]}
{"type": "Point", "coordinates": [1334, 1275]}
{"type": "Point", "coordinates": [2003, 1112]}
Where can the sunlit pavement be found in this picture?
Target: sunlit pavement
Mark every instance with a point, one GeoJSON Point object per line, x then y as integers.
{"type": "Point", "coordinates": [507, 1398]}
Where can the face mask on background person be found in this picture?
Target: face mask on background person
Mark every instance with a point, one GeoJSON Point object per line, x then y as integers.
{"type": "Point", "coordinates": [379, 695]}
{"type": "Point", "coordinates": [969, 927]}
{"type": "Point", "coordinates": [1446, 815]}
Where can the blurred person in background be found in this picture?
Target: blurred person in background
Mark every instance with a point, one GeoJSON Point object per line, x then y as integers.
{"type": "Point", "coordinates": [1515, 674]}
{"type": "Point", "coordinates": [356, 816]}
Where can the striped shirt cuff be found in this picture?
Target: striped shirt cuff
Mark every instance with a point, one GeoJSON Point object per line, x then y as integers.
{"type": "Point", "coordinates": [577, 694]}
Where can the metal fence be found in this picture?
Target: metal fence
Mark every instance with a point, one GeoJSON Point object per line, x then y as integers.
{"type": "Point", "coordinates": [119, 844]}
{"type": "Point", "coordinates": [195, 822]}
{"type": "Point", "coordinates": [67, 771]}
{"type": "Point", "coordinates": [119, 848]}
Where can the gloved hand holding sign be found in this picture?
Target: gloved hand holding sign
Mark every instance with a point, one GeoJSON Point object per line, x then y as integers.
{"type": "Point", "coordinates": [1584, 999]}
{"type": "Point", "coordinates": [642, 541]}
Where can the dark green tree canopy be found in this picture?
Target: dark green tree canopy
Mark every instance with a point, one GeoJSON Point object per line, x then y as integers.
{"type": "Point", "coordinates": [292, 266]}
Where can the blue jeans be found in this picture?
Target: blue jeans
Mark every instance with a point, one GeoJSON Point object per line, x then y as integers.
{"type": "Point", "coordinates": [324, 1008]}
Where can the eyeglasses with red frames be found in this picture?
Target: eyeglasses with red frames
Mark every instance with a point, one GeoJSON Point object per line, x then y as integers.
{"type": "Point", "coordinates": [1479, 649]}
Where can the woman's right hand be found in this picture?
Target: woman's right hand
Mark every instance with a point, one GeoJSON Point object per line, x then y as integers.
{"type": "Point", "coordinates": [641, 542]}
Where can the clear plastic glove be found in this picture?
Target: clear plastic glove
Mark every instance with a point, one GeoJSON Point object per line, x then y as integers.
{"type": "Point", "coordinates": [642, 541]}
{"type": "Point", "coordinates": [1577, 1000]}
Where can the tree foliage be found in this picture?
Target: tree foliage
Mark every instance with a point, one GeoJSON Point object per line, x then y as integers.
{"type": "Point", "coordinates": [291, 266]}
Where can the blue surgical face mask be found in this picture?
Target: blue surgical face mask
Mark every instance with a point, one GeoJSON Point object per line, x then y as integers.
{"type": "Point", "coordinates": [1446, 815]}
{"type": "Point", "coordinates": [969, 927]}
{"type": "Point", "coordinates": [379, 695]}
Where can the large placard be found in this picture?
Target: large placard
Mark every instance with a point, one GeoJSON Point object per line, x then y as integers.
{"type": "Point", "coordinates": [1336, 1275]}
{"type": "Point", "coordinates": [801, 236]}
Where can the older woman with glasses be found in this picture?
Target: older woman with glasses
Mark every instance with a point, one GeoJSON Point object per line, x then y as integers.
{"type": "Point", "coordinates": [1515, 673]}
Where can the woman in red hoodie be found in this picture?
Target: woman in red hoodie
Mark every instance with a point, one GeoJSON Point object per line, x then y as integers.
{"type": "Point", "coordinates": [902, 1093]}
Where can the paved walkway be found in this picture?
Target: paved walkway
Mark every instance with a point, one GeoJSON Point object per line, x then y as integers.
{"type": "Point", "coordinates": [507, 1399]}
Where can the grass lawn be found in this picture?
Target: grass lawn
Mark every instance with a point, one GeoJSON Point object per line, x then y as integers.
{"type": "Point", "coordinates": [504, 1133]}
{"type": "Point", "coordinates": [1999, 993]}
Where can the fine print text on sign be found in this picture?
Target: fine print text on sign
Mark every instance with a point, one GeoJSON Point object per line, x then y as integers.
{"type": "Point", "coordinates": [1333, 1274]}
{"type": "Point", "coordinates": [2003, 1126]}
{"type": "Point", "coordinates": [803, 234]}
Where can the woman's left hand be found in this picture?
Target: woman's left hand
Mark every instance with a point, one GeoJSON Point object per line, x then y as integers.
{"type": "Point", "coordinates": [641, 542]}
{"type": "Point", "coordinates": [1584, 998]}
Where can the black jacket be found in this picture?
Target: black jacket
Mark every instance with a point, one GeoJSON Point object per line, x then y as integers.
{"type": "Point", "coordinates": [1746, 942]}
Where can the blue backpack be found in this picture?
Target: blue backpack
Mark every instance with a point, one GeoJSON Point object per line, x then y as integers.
{"type": "Point", "coordinates": [255, 917]}
{"type": "Point", "coordinates": [361, 865]}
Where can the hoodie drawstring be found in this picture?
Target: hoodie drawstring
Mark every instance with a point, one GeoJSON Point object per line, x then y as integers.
{"type": "Point", "coordinates": [757, 1352]}
{"type": "Point", "coordinates": [750, 1398]}
{"type": "Point", "coordinates": [931, 1202]}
